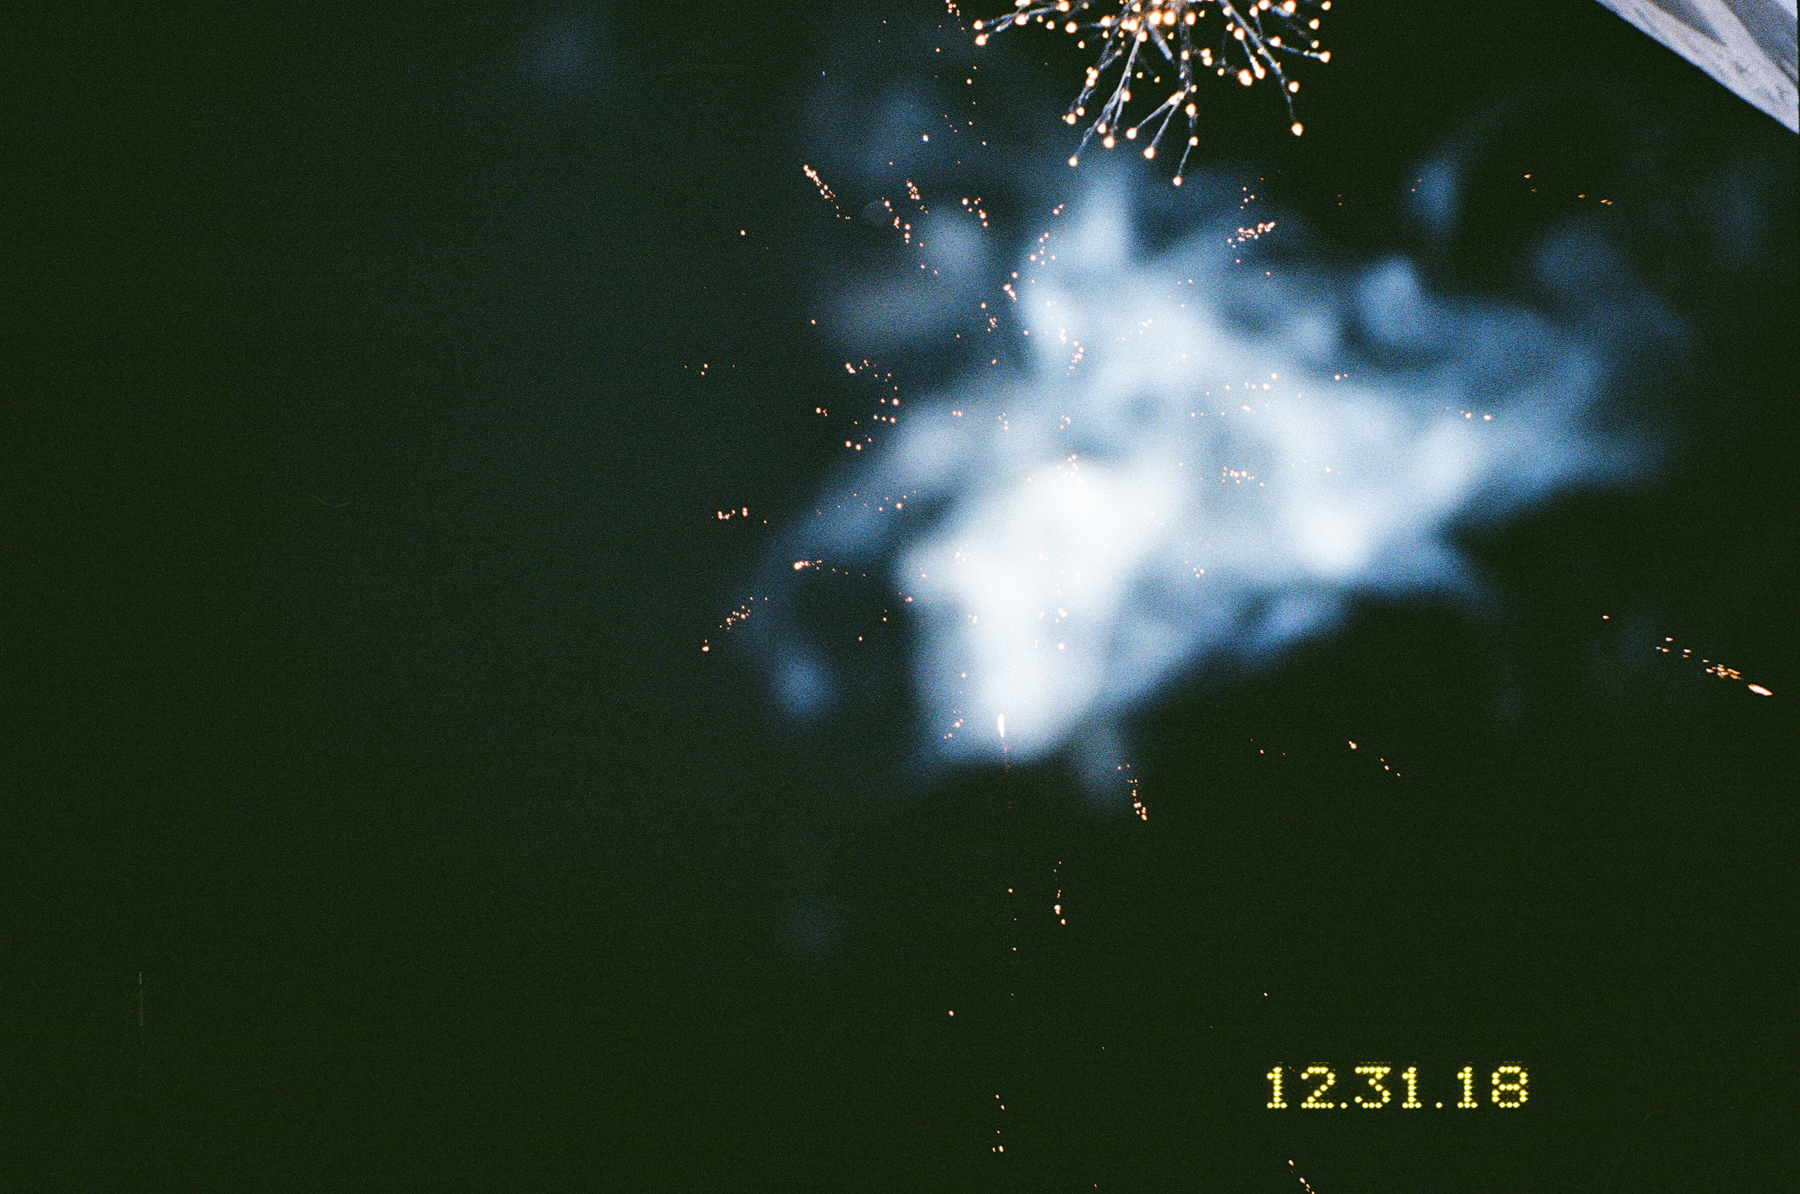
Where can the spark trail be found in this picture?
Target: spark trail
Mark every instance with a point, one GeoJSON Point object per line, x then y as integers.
{"type": "Point", "coordinates": [1143, 38]}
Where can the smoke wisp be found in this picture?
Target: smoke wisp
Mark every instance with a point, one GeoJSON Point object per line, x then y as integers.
{"type": "Point", "coordinates": [1191, 457]}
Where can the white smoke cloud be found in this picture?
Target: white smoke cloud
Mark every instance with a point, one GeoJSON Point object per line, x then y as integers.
{"type": "Point", "coordinates": [1192, 463]}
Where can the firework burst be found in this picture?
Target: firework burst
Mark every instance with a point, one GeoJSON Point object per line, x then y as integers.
{"type": "Point", "coordinates": [1144, 37]}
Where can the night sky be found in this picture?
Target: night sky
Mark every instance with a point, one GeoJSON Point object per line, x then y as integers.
{"type": "Point", "coordinates": [371, 819]}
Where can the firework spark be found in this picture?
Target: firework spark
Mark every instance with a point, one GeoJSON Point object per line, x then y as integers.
{"type": "Point", "coordinates": [1144, 37]}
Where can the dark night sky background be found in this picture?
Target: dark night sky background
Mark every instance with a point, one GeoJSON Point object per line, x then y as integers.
{"type": "Point", "coordinates": [358, 489]}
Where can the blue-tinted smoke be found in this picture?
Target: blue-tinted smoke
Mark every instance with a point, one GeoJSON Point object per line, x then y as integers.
{"type": "Point", "coordinates": [1187, 459]}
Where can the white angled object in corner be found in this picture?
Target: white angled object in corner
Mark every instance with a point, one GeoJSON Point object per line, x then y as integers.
{"type": "Point", "coordinates": [1748, 45]}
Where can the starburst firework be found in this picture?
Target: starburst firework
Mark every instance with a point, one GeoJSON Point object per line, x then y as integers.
{"type": "Point", "coordinates": [1141, 36]}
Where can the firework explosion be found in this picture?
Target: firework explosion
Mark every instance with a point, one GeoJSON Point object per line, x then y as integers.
{"type": "Point", "coordinates": [1144, 37]}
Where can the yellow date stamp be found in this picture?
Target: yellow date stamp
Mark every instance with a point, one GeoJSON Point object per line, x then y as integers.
{"type": "Point", "coordinates": [1507, 1089]}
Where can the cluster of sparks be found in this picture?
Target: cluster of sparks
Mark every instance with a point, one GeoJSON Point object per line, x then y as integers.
{"type": "Point", "coordinates": [1253, 232]}
{"type": "Point", "coordinates": [1147, 36]}
{"type": "Point", "coordinates": [1668, 647]}
{"type": "Point", "coordinates": [820, 566]}
{"type": "Point", "coordinates": [886, 415]}
{"type": "Point", "coordinates": [1138, 807]}
{"type": "Point", "coordinates": [825, 191]}
{"type": "Point", "coordinates": [742, 611]}
{"type": "Point", "coordinates": [887, 378]}
{"type": "Point", "coordinates": [1385, 765]}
